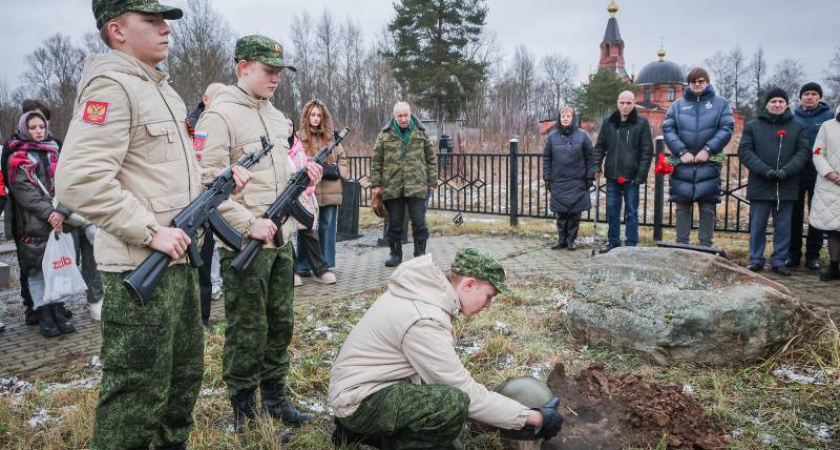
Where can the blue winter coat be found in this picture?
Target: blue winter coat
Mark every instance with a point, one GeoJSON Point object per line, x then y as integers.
{"type": "Point", "coordinates": [692, 123]}
{"type": "Point", "coordinates": [568, 164]}
{"type": "Point", "coordinates": [812, 120]}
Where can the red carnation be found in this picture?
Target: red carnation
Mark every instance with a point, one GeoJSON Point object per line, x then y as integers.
{"type": "Point", "coordinates": [781, 133]}
{"type": "Point", "coordinates": [817, 150]}
{"type": "Point", "coordinates": [621, 180]}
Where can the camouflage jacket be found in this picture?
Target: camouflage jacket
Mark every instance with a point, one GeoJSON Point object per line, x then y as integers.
{"type": "Point", "coordinates": [403, 169]}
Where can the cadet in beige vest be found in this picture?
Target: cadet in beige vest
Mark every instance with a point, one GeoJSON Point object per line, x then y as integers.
{"type": "Point", "coordinates": [258, 308]}
{"type": "Point", "coordinates": [128, 167]}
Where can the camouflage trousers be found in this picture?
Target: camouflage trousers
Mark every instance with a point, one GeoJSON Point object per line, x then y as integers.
{"type": "Point", "coordinates": [413, 416]}
{"type": "Point", "coordinates": [152, 363]}
{"type": "Point", "coordinates": [260, 320]}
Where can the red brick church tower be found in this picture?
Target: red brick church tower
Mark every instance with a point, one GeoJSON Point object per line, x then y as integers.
{"type": "Point", "coordinates": [612, 48]}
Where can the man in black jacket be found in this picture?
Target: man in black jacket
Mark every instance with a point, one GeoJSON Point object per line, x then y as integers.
{"type": "Point", "coordinates": [625, 147]}
{"type": "Point", "coordinates": [811, 113]}
{"type": "Point", "coordinates": [774, 147]}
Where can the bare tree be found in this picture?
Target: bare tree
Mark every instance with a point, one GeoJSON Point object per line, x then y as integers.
{"type": "Point", "coordinates": [832, 78]}
{"type": "Point", "coordinates": [201, 51]}
{"type": "Point", "coordinates": [721, 74]}
{"type": "Point", "coordinates": [558, 74]}
{"type": "Point", "coordinates": [92, 43]}
{"type": "Point", "coordinates": [53, 71]}
{"type": "Point", "coordinates": [758, 73]}
{"type": "Point", "coordinates": [789, 75]}
{"type": "Point", "coordinates": [738, 68]}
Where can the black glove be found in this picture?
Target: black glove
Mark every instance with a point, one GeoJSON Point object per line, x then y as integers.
{"type": "Point", "coordinates": [331, 172]}
{"type": "Point", "coordinates": [552, 420]}
{"type": "Point", "coordinates": [781, 175]}
{"type": "Point", "coordinates": [771, 174]}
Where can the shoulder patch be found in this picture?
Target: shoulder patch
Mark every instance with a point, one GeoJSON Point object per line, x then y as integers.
{"type": "Point", "coordinates": [95, 112]}
{"type": "Point", "coordinates": [199, 140]}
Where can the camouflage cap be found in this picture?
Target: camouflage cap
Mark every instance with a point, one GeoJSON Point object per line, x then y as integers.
{"type": "Point", "coordinates": [106, 10]}
{"type": "Point", "coordinates": [471, 262]}
{"type": "Point", "coordinates": [262, 49]}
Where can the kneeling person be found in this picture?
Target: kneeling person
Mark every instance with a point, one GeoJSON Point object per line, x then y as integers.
{"type": "Point", "coordinates": [398, 381]}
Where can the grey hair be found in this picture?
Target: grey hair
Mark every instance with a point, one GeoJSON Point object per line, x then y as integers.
{"type": "Point", "coordinates": [399, 106]}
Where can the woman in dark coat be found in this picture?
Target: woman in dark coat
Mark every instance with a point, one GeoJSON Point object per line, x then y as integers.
{"type": "Point", "coordinates": [568, 169]}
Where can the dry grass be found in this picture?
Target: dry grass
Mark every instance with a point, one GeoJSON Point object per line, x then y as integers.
{"type": "Point", "coordinates": [525, 335]}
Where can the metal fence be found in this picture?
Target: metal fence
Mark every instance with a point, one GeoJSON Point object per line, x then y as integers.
{"type": "Point", "coordinates": [481, 183]}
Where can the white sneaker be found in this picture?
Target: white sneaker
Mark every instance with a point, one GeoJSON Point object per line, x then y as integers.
{"type": "Point", "coordinates": [298, 281]}
{"type": "Point", "coordinates": [216, 292]}
{"type": "Point", "coordinates": [95, 310]}
{"type": "Point", "coordinates": [326, 278]}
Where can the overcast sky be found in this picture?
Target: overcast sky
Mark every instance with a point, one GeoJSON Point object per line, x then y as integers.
{"type": "Point", "coordinates": [692, 30]}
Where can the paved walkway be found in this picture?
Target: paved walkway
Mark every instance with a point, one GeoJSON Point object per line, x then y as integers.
{"type": "Point", "coordinates": [24, 352]}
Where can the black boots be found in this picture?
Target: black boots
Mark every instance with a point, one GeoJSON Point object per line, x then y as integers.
{"type": "Point", "coordinates": [244, 412]}
{"type": "Point", "coordinates": [832, 272]}
{"type": "Point", "coordinates": [572, 226]}
{"type": "Point", "coordinates": [567, 230]}
{"type": "Point", "coordinates": [53, 322]}
{"type": "Point", "coordinates": [395, 258]}
{"type": "Point", "coordinates": [419, 247]}
{"type": "Point", "coordinates": [561, 232]}
{"type": "Point", "coordinates": [275, 404]}
{"type": "Point", "coordinates": [245, 415]}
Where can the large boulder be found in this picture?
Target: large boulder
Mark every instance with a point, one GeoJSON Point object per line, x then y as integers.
{"type": "Point", "coordinates": [680, 306]}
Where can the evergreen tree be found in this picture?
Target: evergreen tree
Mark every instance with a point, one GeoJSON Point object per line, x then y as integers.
{"type": "Point", "coordinates": [597, 100]}
{"type": "Point", "coordinates": [432, 54]}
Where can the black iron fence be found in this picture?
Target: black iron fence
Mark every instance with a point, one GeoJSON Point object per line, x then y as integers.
{"type": "Point", "coordinates": [511, 185]}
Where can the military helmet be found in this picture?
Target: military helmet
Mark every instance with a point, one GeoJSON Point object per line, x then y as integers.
{"type": "Point", "coordinates": [531, 393]}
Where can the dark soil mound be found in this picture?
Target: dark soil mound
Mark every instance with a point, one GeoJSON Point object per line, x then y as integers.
{"type": "Point", "coordinates": [617, 411]}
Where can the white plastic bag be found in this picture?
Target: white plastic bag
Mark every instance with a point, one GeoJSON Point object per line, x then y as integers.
{"type": "Point", "coordinates": [61, 275]}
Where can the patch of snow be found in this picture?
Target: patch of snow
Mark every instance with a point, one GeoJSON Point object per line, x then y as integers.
{"type": "Point", "coordinates": [808, 375]}
{"type": "Point", "coordinates": [94, 365]}
{"type": "Point", "coordinates": [14, 385]}
{"type": "Point", "coordinates": [501, 327]}
{"type": "Point", "coordinates": [83, 384]}
{"type": "Point", "coordinates": [41, 418]}
{"type": "Point", "coordinates": [210, 392]}
{"type": "Point", "coordinates": [687, 389]}
{"type": "Point", "coordinates": [322, 330]}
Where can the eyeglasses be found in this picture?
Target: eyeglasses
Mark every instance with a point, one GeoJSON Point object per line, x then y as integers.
{"type": "Point", "coordinates": [698, 81]}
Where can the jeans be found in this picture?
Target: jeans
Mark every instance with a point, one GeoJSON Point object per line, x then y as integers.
{"type": "Point", "coordinates": [416, 213]}
{"type": "Point", "coordinates": [760, 211]}
{"type": "Point", "coordinates": [309, 255]}
{"type": "Point", "coordinates": [628, 193]}
{"type": "Point", "coordinates": [685, 215]}
{"type": "Point", "coordinates": [84, 240]}
{"type": "Point", "coordinates": [327, 225]}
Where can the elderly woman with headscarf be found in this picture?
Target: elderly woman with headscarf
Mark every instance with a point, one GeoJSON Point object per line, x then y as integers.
{"type": "Point", "coordinates": [569, 165]}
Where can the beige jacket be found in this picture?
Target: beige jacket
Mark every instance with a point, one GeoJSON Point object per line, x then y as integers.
{"type": "Point", "coordinates": [128, 168]}
{"type": "Point", "coordinates": [825, 207]}
{"type": "Point", "coordinates": [328, 192]}
{"type": "Point", "coordinates": [407, 335]}
{"type": "Point", "coordinates": [234, 123]}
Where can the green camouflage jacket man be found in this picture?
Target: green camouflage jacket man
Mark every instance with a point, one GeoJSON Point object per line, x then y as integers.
{"type": "Point", "coordinates": [404, 164]}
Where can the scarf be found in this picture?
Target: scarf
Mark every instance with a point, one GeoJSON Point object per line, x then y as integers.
{"type": "Point", "coordinates": [404, 134]}
{"type": "Point", "coordinates": [21, 158]}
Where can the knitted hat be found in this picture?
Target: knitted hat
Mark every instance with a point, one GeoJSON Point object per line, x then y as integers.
{"type": "Point", "coordinates": [810, 87]}
{"type": "Point", "coordinates": [775, 92]}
